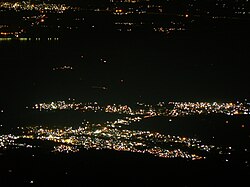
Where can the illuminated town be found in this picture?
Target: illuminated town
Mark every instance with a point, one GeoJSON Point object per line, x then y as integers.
{"type": "Point", "coordinates": [43, 16]}
{"type": "Point", "coordinates": [91, 136]}
{"type": "Point", "coordinates": [113, 136]}
{"type": "Point", "coordinates": [41, 7]}
{"type": "Point", "coordinates": [189, 108]}
{"type": "Point", "coordinates": [103, 137]}
{"type": "Point", "coordinates": [145, 110]}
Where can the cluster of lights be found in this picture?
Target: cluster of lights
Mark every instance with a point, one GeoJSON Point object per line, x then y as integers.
{"type": "Point", "coordinates": [62, 105]}
{"type": "Point", "coordinates": [65, 149]}
{"type": "Point", "coordinates": [12, 33]}
{"type": "Point", "coordinates": [168, 30]}
{"type": "Point", "coordinates": [42, 7]}
{"type": "Point", "coordinates": [112, 134]}
{"type": "Point", "coordinates": [103, 136]}
{"type": "Point", "coordinates": [173, 27]}
{"type": "Point", "coordinates": [3, 26]}
{"type": "Point", "coordinates": [118, 109]}
{"type": "Point", "coordinates": [7, 140]}
{"type": "Point", "coordinates": [239, 9]}
{"type": "Point", "coordinates": [25, 39]}
{"type": "Point", "coordinates": [189, 108]}
{"type": "Point", "coordinates": [92, 136]}
{"type": "Point", "coordinates": [63, 68]}
{"type": "Point", "coordinates": [124, 23]}
{"type": "Point", "coordinates": [234, 7]}
{"type": "Point", "coordinates": [10, 141]}
{"type": "Point", "coordinates": [144, 111]}
{"type": "Point", "coordinates": [58, 105]}
{"type": "Point", "coordinates": [129, 11]}
{"type": "Point", "coordinates": [126, 121]}
{"type": "Point", "coordinates": [18, 39]}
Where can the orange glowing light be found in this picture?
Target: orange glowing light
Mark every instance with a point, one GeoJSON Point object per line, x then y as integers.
{"type": "Point", "coordinates": [118, 10]}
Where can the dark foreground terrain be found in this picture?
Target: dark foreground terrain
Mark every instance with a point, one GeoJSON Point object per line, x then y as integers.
{"type": "Point", "coordinates": [92, 168]}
